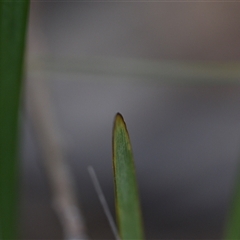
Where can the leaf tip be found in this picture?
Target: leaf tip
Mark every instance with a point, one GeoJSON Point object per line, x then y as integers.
{"type": "Point", "coordinates": [119, 117]}
{"type": "Point", "coordinates": [119, 121]}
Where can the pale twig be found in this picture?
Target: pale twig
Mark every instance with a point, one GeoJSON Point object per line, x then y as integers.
{"type": "Point", "coordinates": [63, 194]}
{"type": "Point", "coordinates": [162, 72]}
{"type": "Point", "coordinates": [103, 201]}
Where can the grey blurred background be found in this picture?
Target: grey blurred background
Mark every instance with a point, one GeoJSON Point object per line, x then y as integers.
{"type": "Point", "coordinates": [185, 137]}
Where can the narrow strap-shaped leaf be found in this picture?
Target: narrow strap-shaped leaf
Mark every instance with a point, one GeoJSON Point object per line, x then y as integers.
{"type": "Point", "coordinates": [232, 230]}
{"type": "Point", "coordinates": [13, 21]}
{"type": "Point", "coordinates": [128, 210]}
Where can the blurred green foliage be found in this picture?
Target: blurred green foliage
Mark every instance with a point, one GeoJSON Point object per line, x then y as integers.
{"type": "Point", "coordinates": [13, 23]}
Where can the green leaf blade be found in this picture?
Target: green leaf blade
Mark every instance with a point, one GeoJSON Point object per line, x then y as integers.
{"type": "Point", "coordinates": [232, 230]}
{"type": "Point", "coordinates": [128, 210]}
{"type": "Point", "coordinates": [13, 24]}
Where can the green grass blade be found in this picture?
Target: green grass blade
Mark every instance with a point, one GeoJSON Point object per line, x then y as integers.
{"type": "Point", "coordinates": [13, 21]}
{"type": "Point", "coordinates": [232, 230]}
{"type": "Point", "coordinates": [128, 210]}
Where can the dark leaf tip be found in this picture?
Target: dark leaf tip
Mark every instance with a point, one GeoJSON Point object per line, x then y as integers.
{"type": "Point", "coordinates": [119, 121]}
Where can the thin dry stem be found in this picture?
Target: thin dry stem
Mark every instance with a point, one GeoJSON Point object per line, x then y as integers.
{"type": "Point", "coordinates": [103, 201]}
{"type": "Point", "coordinates": [64, 197]}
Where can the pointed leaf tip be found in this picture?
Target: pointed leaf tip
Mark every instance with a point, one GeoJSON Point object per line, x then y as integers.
{"type": "Point", "coordinates": [119, 120]}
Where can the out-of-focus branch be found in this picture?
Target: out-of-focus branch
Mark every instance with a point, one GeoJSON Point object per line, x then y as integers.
{"type": "Point", "coordinates": [162, 72]}
{"type": "Point", "coordinates": [64, 197]}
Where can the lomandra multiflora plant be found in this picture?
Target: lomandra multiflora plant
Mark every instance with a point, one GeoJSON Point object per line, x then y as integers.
{"type": "Point", "coordinates": [13, 26]}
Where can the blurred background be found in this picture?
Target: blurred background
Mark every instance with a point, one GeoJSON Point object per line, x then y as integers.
{"type": "Point", "coordinates": [95, 59]}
